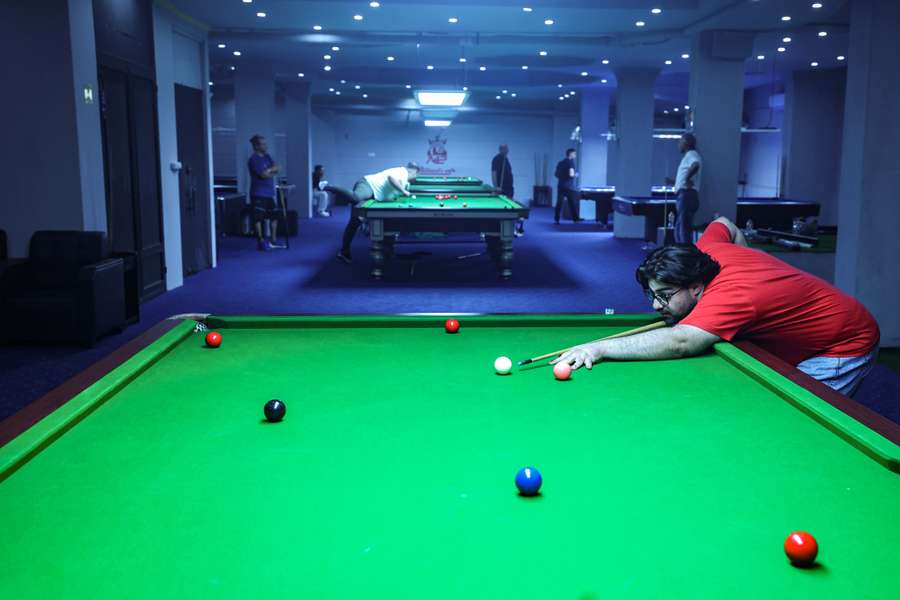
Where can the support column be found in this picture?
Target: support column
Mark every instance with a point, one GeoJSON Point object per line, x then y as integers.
{"type": "Point", "coordinates": [813, 119]}
{"type": "Point", "coordinates": [594, 129]}
{"type": "Point", "coordinates": [254, 106]}
{"type": "Point", "coordinates": [299, 146]}
{"type": "Point", "coordinates": [868, 219]}
{"type": "Point", "coordinates": [717, 99]}
{"type": "Point", "coordinates": [633, 148]}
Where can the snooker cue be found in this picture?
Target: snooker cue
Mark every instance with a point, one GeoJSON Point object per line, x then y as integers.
{"type": "Point", "coordinates": [635, 331]}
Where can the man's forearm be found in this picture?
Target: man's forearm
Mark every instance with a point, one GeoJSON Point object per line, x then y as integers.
{"type": "Point", "coordinates": [653, 345]}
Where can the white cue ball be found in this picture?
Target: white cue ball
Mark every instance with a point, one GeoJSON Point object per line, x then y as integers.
{"type": "Point", "coordinates": [503, 365]}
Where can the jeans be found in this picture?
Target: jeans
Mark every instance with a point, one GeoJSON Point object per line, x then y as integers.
{"type": "Point", "coordinates": [686, 206]}
{"type": "Point", "coordinates": [571, 197]}
{"type": "Point", "coordinates": [362, 191]}
{"type": "Point", "coordinates": [841, 373]}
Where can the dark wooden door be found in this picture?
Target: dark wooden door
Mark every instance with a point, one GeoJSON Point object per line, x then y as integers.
{"type": "Point", "coordinates": [131, 162]}
{"type": "Point", "coordinates": [193, 181]}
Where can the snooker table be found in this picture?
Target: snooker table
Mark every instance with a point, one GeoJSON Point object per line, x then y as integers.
{"type": "Point", "coordinates": [495, 216]}
{"type": "Point", "coordinates": [602, 197]}
{"type": "Point", "coordinates": [391, 475]}
{"type": "Point", "coordinates": [449, 180]}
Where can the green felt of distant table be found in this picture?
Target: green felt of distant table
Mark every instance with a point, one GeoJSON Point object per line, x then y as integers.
{"type": "Point", "coordinates": [451, 188]}
{"type": "Point", "coordinates": [449, 180]}
{"type": "Point", "coordinates": [391, 475]}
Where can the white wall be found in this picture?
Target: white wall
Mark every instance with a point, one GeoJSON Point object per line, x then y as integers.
{"type": "Point", "coordinates": [353, 145]}
{"type": "Point", "coordinates": [181, 58]}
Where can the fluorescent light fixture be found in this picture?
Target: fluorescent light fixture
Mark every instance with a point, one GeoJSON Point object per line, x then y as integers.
{"type": "Point", "coordinates": [817, 5]}
{"type": "Point", "coordinates": [261, 15]}
{"type": "Point", "coordinates": [335, 48]}
{"type": "Point", "coordinates": [823, 34]}
{"type": "Point", "coordinates": [317, 28]}
{"type": "Point", "coordinates": [760, 57]}
{"type": "Point", "coordinates": [603, 80]}
{"type": "Point", "coordinates": [786, 40]}
{"type": "Point", "coordinates": [482, 68]}
{"type": "Point", "coordinates": [655, 11]}
{"type": "Point", "coordinates": [462, 59]}
{"type": "Point", "coordinates": [221, 45]}
{"type": "Point", "coordinates": [842, 57]}
{"type": "Point", "coordinates": [583, 74]}
{"type": "Point", "coordinates": [428, 98]}
{"type": "Point", "coordinates": [374, 4]}
{"type": "Point", "coordinates": [357, 17]}
{"type": "Point", "coordinates": [814, 64]}
{"type": "Point", "coordinates": [524, 67]}
{"type": "Point", "coordinates": [786, 18]}
{"type": "Point", "coordinates": [666, 136]}
{"type": "Point", "coordinates": [605, 61]}
{"type": "Point", "coordinates": [526, 9]}
{"type": "Point", "coordinates": [437, 123]}
{"type": "Point", "coordinates": [301, 75]}
{"type": "Point", "coordinates": [549, 21]}
{"type": "Point", "coordinates": [668, 62]}
{"type": "Point", "coordinates": [248, 1]}
{"type": "Point", "coordinates": [639, 23]}
{"type": "Point", "coordinates": [390, 59]}
{"type": "Point", "coordinates": [430, 67]}
{"type": "Point", "coordinates": [542, 53]}
{"type": "Point", "coordinates": [237, 52]}
{"type": "Point", "coordinates": [782, 49]}
{"type": "Point", "coordinates": [685, 56]}
{"type": "Point", "coordinates": [453, 20]}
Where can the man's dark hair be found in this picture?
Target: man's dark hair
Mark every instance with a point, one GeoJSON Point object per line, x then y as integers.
{"type": "Point", "coordinates": [255, 139]}
{"type": "Point", "coordinates": [679, 265]}
{"type": "Point", "coordinates": [570, 151]}
{"type": "Point", "coordinates": [317, 168]}
{"type": "Point", "coordinates": [690, 141]}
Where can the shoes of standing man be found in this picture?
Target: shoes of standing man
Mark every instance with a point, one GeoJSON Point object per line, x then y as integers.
{"type": "Point", "coordinates": [345, 258]}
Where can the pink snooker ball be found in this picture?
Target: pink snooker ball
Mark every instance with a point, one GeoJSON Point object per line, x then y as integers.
{"type": "Point", "coordinates": [562, 371]}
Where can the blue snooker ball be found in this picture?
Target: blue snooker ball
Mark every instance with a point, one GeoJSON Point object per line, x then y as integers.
{"type": "Point", "coordinates": [528, 480]}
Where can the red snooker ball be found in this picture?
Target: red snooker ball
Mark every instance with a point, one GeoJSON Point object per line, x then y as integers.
{"type": "Point", "coordinates": [213, 339]}
{"type": "Point", "coordinates": [801, 548]}
{"type": "Point", "coordinates": [451, 326]}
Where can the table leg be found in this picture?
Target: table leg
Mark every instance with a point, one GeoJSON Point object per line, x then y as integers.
{"type": "Point", "coordinates": [376, 234]}
{"type": "Point", "coordinates": [505, 251]}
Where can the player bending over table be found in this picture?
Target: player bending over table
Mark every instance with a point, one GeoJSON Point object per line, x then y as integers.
{"type": "Point", "coordinates": [722, 290]}
{"type": "Point", "coordinates": [384, 186]}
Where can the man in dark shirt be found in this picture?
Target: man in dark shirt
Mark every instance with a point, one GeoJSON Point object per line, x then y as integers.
{"type": "Point", "coordinates": [502, 178]}
{"type": "Point", "coordinates": [262, 192]}
{"type": "Point", "coordinates": [566, 189]}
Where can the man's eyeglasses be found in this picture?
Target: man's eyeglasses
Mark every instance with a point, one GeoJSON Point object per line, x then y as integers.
{"type": "Point", "coordinates": [663, 298]}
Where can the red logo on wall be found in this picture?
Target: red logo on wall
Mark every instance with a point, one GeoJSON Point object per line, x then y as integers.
{"type": "Point", "coordinates": [437, 150]}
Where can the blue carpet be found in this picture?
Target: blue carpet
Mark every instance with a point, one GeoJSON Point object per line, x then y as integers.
{"type": "Point", "coordinates": [570, 268]}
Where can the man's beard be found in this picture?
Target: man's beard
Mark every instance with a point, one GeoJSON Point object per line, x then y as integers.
{"type": "Point", "coordinates": [669, 318]}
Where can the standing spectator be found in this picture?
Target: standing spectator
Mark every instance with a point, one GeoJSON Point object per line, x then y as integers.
{"type": "Point", "coordinates": [320, 191]}
{"type": "Point", "coordinates": [502, 179]}
{"type": "Point", "coordinates": [687, 189]}
{"type": "Point", "coordinates": [262, 192]}
{"type": "Point", "coordinates": [566, 188]}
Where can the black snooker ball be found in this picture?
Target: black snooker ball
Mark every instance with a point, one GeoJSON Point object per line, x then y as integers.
{"type": "Point", "coordinates": [274, 410]}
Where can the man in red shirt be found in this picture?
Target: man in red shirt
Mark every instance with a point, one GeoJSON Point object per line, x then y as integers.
{"type": "Point", "coordinates": [722, 290]}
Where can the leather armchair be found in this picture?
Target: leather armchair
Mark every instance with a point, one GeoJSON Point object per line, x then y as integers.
{"type": "Point", "coordinates": [68, 290]}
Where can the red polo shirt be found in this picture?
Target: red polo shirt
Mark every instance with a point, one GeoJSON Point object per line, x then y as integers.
{"type": "Point", "coordinates": [790, 313]}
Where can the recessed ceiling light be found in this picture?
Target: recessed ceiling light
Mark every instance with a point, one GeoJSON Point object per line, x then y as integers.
{"type": "Point", "coordinates": [210, 83]}
{"type": "Point", "coordinates": [604, 80]}
{"type": "Point", "coordinates": [465, 88]}
{"type": "Point", "coordinates": [655, 11]}
{"type": "Point", "coordinates": [430, 67]}
{"type": "Point", "coordinates": [221, 45]}
{"type": "Point", "coordinates": [524, 67]}
{"type": "Point", "coordinates": [343, 81]}
{"type": "Point", "coordinates": [668, 62]}
{"type": "Point", "coordinates": [356, 87]}
{"type": "Point", "coordinates": [505, 91]}
{"type": "Point", "coordinates": [390, 59]}
{"type": "Point", "coordinates": [498, 97]}
{"type": "Point", "coordinates": [572, 92]}
{"type": "Point", "coordinates": [605, 61]}
{"type": "Point", "coordinates": [365, 95]}
{"type": "Point", "coordinates": [301, 75]}
{"type": "Point", "coordinates": [357, 17]}
{"type": "Point", "coordinates": [781, 48]}
{"type": "Point", "coordinates": [786, 40]}
{"type": "Point", "coordinates": [583, 74]}
{"type": "Point", "coordinates": [232, 67]}
{"type": "Point", "coordinates": [482, 68]}
{"type": "Point", "coordinates": [559, 85]}
{"type": "Point", "coordinates": [639, 23]}
{"type": "Point", "coordinates": [453, 20]}
{"type": "Point", "coordinates": [823, 34]}
{"type": "Point", "coordinates": [786, 18]}
{"type": "Point", "coordinates": [261, 15]}
{"type": "Point", "coordinates": [526, 8]}
{"type": "Point", "coordinates": [814, 64]}
{"type": "Point", "coordinates": [237, 52]}
{"type": "Point", "coordinates": [374, 4]}
{"type": "Point", "coordinates": [817, 5]}
{"type": "Point", "coordinates": [687, 107]}
{"type": "Point", "coordinates": [326, 68]}
{"type": "Point", "coordinates": [675, 109]}
{"type": "Point", "coordinates": [760, 57]}
{"type": "Point", "coordinates": [407, 86]}
{"type": "Point", "coordinates": [513, 94]}
{"type": "Point", "coordinates": [327, 57]}
{"type": "Point", "coordinates": [685, 56]}
{"type": "Point", "coordinates": [462, 59]}
{"type": "Point", "coordinates": [337, 93]}
{"type": "Point", "coordinates": [330, 89]}
{"type": "Point", "coordinates": [665, 112]}
{"type": "Point", "coordinates": [317, 28]}
{"type": "Point", "coordinates": [560, 97]}
{"type": "Point", "coordinates": [542, 53]}
{"type": "Point", "coordinates": [549, 21]}
{"type": "Point", "coordinates": [841, 57]}
{"type": "Point", "coordinates": [248, 1]}
{"type": "Point", "coordinates": [335, 48]}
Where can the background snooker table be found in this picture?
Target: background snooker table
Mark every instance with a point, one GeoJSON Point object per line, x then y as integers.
{"type": "Point", "coordinates": [452, 188]}
{"type": "Point", "coordinates": [438, 180]}
{"type": "Point", "coordinates": [392, 474]}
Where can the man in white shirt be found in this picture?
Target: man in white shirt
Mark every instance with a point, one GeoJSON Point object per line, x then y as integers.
{"type": "Point", "coordinates": [384, 186]}
{"type": "Point", "coordinates": [687, 187]}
